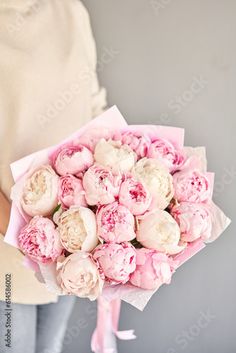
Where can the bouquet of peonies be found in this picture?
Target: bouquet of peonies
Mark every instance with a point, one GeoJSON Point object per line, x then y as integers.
{"type": "Point", "coordinates": [112, 212]}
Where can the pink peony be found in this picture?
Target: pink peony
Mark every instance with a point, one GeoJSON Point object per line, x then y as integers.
{"type": "Point", "coordinates": [194, 221]}
{"type": "Point", "coordinates": [138, 142]}
{"type": "Point", "coordinates": [192, 186]}
{"type": "Point", "coordinates": [71, 191]}
{"type": "Point", "coordinates": [115, 223]}
{"type": "Point", "coordinates": [164, 151]}
{"type": "Point", "coordinates": [101, 185]}
{"type": "Point", "coordinates": [117, 261]}
{"type": "Point", "coordinates": [72, 159]}
{"type": "Point", "coordinates": [78, 275]}
{"type": "Point", "coordinates": [135, 196]}
{"type": "Point", "coordinates": [92, 136]}
{"type": "Point", "coordinates": [40, 241]}
{"type": "Point", "coordinates": [152, 269]}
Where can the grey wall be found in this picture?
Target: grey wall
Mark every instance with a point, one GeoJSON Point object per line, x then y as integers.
{"type": "Point", "coordinates": [150, 55]}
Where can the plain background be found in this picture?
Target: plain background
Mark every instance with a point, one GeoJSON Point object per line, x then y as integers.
{"type": "Point", "coordinates": [172, 62]}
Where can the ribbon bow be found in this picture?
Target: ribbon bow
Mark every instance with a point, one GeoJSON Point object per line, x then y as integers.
{"type": "Point", "coordinates": [106, 332]}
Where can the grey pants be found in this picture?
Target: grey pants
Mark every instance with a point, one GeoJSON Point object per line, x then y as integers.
{"type": "Point", "coordinates": [35, 328]}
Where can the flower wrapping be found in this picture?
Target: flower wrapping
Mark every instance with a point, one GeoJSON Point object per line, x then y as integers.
{"type": "Point", "coordinates": [112, 212]}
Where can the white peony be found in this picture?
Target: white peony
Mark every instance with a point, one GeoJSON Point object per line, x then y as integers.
{"type": "Point", "coordinates": [112, 154]}
{"type": "Point", "coordinates": [39, 194]}
{"type": "Point", "coordinates": [159, 231]}
{"type": "Point", "coordinates": [78, 275]}
{"type": "Point", "coordinates": [77, 229]}
{"type": "Point", "coordinates": [157, 179]}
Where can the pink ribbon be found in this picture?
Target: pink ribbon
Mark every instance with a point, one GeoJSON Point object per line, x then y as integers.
{"type": "Point", "coordinates": [103, 339]}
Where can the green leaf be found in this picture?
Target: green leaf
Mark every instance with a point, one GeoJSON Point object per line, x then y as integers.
{"type": "Point", "coordinates": [57, 208]}
{"type": "Point", "coordinates": [136, 244]}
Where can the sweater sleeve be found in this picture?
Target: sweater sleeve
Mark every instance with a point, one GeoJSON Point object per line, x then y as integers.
{"type": "Point", "coordinates": [98, 93]}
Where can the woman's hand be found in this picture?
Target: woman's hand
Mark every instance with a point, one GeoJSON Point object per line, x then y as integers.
{"type": "Point", "coordinates": [4, 213]}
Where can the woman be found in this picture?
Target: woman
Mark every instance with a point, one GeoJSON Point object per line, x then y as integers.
{"type": "Point", "coordinates": [48, 89]}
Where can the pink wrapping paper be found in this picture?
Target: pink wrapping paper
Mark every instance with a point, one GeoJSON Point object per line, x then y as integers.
{"type": "Point", "coordinates": [107, 123]}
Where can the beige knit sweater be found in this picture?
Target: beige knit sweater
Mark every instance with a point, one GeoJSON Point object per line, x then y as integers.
{"type": "Point", "coordinates": [48, 89]}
